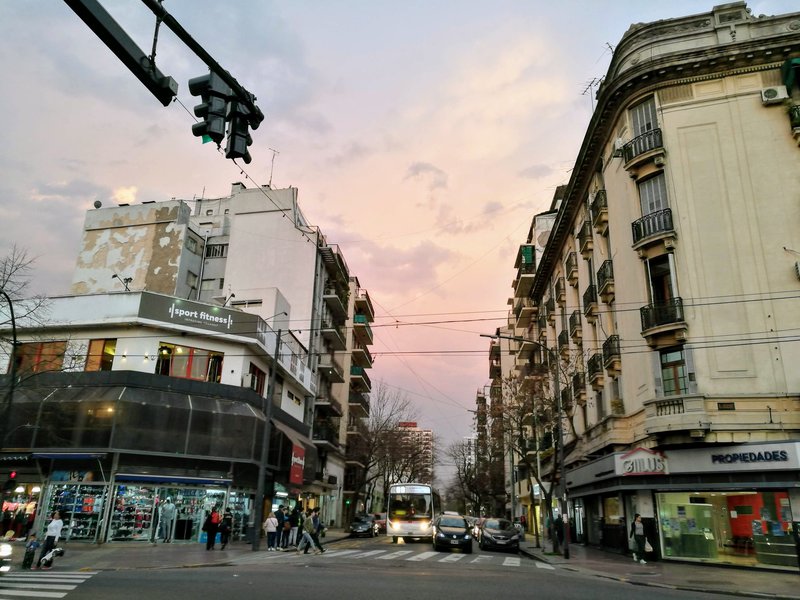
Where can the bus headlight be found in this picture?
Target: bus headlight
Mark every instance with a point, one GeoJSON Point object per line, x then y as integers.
{"type": "Point", "coordinates": [425, 525]}
{"type": "Point", "coordinates": [394, 525]}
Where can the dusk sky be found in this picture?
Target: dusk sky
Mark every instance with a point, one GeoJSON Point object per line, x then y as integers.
{"type": "Point", "coordinates": [422, 137]}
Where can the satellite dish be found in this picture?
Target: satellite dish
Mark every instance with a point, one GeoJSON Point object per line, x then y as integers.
{"type": "Point", "coordinates": [97, 204]}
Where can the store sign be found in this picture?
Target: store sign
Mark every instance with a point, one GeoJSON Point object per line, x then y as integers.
{"type": "Point", "coordinates": [732, 458]}
{"type": "Point", "coordinates": [175, 311]}
{"type": "Point", "coordinates": [642, 462]}
{"type": "Point", "coordinates": [298, 464]}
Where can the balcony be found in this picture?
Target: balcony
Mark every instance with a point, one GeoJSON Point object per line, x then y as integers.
{"type": "Point", "coordinates": [595, 371]}
{"type": "Point", "coordinates": [495, 368]}
{"type": "Point", "coordinates": [612, 359]}
{"type": "Point", "coordinates": [334, 263]}
{"type": "Point", "coordinates": [563, 343]}
{"type": "Point", "coordinates": [560, 291]}
{"type": "Point", "coordinates": [331, 369]}
{"type": "Point", "coordinates": [550, 308]}
{"type": "Point", "coordinates": [571, 269]}
{"type": "Point", "coordinates": [663, 323]}
{"type": "Point", "coordinates": [361, 329]}
{"type": "Point", "coordinates": [525, 347]}
{"type": "Point", "coordinates": [575, 329]}
{"type": "Point", "coordinates": [653, 230]}
{"type": "Point", "coordinates": [590, 309]}
{"type": "Point", "coordinates": [676, 414]}
{"type": "Point", "coordinates": [642, 150]}
{"type": "Point", "coordinates": [326, 406]}
{"type": "Point", "coordinates": [579, 388]}
{"type": "Point", "coordinates": [333, 334]}
{"type": "Point", "coordinates": [337, 303]}
{"type": "Point", "coordinates": [325, 436]}
{"type": "Point", "coordinates": [358, 404]}
{"type": "Point", "coordinates": [524, 310]}
{"type": "Point", "coordinates": [363, 305]}
{"type": "Point", "coordinates": [605, 281]}
{"type": "Point", "coordinates": [526, 270]}
{"type": "Point", "coordinates": [362, 356]}
{"type": "Point", "coordinates": [599, 208]}
{"type": "Point", "coordinates": [359, 380]}
{"type": "Point", "coordinates": [585, 240]}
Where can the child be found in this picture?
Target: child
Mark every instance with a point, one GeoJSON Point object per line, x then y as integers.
{"type": "Point", "coordinates": [30, 551]}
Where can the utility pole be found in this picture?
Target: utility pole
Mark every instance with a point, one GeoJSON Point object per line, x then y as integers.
{"type": "Point", "coordinates": [12, 370]}
{"type": "Point", "coordinates": [258, 519]}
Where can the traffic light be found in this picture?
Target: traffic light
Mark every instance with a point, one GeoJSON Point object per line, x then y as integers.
{"type": "Point", "coordinates": [238, 117]}
{"type": "Point", "coordinates": [11, 482]}
{"type": "Point", "coordinates": [214, 93]}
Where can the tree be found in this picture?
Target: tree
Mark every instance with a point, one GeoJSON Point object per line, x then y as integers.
{"type": "Point", "coordinates": [376, 452]}
{"type": "Point", "coordinates": [470, 484]}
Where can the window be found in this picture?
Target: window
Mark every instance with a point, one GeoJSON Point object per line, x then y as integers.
{"type": "Point", "coordinates": [643, 117]}
{"type": "Point", "coordinates": [208, 285]}
{"type": "Point", "coordinates": [653, 194]}
{"type": "Point", "coordinates": [191, 244]}
{"type": "Point", "coordinates": [257, 379]}
{"type": "Point", "coordinates": [296, 399]}
{"type": "Point", "coordinates": [191, 279]}
{"type": "Point", "coordinates": [660, 276]}
{"type": "Point", "coordinates": [216, 250]}
{"type": "Point", "coordinates": [189, 363]}
{"type": "Point", "coordinates": [673, 372]}
{"type": "Point", "coordinates": [35, 357]}
{"type": "Point", "coordinates": [101, 355]}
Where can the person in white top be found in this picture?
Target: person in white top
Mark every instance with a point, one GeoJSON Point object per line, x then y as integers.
{"type": "Point", "coordinates": [52, 535]}
{"type": "Point", "coordinates": [271, 527]}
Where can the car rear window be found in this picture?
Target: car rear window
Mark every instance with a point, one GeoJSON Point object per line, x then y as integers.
{"type": "Point", "coordinates": [452, 522]}
{"type": "Point", "coordinates": [498, 524]}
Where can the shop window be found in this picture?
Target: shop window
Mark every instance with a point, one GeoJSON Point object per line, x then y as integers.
{"type": "Point", "coordinates": [673, 372]}
{"type": "Point", "coordinates": [101, 355]}
{"type": "Point", "coordinates": [35, 357]}
{"type": "Point", "coordinates": [612, 511]}
{"type": "Point", "coordinates": [189, 363]}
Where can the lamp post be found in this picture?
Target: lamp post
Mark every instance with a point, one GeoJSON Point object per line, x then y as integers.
{"type": "Point", "coordinates": [12, 370]}
{"type": "Point", "coordinates": [562, 479]}
{"type": "Point", "coordinates": [266, 407]}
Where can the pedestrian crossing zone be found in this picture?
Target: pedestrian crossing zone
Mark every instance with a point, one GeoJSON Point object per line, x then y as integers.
{"type": "Point", "coordinates": [21, 585]}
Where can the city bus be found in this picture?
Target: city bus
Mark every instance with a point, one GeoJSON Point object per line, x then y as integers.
{"type": "Point", "coordinates": [411, 509]}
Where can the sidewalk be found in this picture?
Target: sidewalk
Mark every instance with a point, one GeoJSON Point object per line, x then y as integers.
{"type": "Point", "coordinates": [735, 581]}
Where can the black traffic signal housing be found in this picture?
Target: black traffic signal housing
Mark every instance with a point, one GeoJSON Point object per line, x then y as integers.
{"type": "Point", "coordinates": [10, 483]}
{"type": "Point", "coordinates": [238, 117]}
{"type": "Point", "coordinates": [214, 93]}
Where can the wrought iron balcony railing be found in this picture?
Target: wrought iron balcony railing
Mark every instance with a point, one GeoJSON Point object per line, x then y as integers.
{"type": "Point", "coordinates": [649, 140]}
{"type": "Point", "coordinates": [652, 224]}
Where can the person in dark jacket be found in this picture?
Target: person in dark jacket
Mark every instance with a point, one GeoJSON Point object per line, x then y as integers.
{"type": "Point", "coordinates": [637, 533]}
{"type": "Point", "coordinates": [211, 527]}
{"type": "Point", "coordinates": [225, 528]}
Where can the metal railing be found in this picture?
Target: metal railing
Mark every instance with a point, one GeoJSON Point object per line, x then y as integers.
{"type": "Point", "coordinates": [662, 313]}
{"type": "Point", "coordinates": [649, 140]}
{"type": "Point", "coordinates": [652, 224]}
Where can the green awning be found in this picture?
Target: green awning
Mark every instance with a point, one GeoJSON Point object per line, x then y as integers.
{"type": "Point", "coordinates": [789, 73]}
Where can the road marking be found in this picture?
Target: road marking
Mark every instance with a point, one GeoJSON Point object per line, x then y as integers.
{"type": "Point", "coordinates": [481, 559]}
{"type": "Point", "coordinates": [26, 584]}
{"type": "Point", "coordinates": [341, 552]}
{"type": "Point", "coordinates": [541, 565]}
{"type": "Point", "coordinates": [367, 554]}
{"type": "Point", "coordinates": [453, 558]}
{"type": "Point", "coordinates": [397, 554]}
{"type": "Point", "coordinates": [511, 561]}
{"type": "Point", "coordinates": [423, 556]}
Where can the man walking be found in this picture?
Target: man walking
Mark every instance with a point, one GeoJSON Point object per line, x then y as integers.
{"type": "Point", "coordinates": [308, 541]}
{"type": "Point", "coordinates": [317, 528]}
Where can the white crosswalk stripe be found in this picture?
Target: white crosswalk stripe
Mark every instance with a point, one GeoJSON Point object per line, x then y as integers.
{"type": "Point", "coordinates": [541, 565]}
{"type": "Point", "coordinates": [368, 554]}
{"type": "Point", "coordinates": [511, 561]}
{"type": "Point", "coordinates": [398, 554]}
{"type": "Point", "coordinates": [423, 556]}
{"type": "Point", "coordinates": [18, 585]}
{"type": "Point", "coordinates": [452, 558]}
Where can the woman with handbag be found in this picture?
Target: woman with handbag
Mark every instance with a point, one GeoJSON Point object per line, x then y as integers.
{"type": "Point", "coordinates": [637, 533]}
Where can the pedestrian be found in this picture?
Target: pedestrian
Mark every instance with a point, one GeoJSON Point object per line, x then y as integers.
{"type": "Point", "coordinates": [211, 527]}
{"type": "Point", "coordinates": [271, 528]}
{"type": "Point", "coordinates": [318, 528]}
{"type": "Point", "coordinates": [294, 522]}
{"type": "Point", "coordinates": [225, 527]}
{"type": "Point", "coordinates": [30, 551]}
{"type": "Point", "coordinates": [283, 534]}
{"type": "Point", "coordinates": [167, 520]}
{"type": "Point", "coordinates": [307, 541]}
{"type": "Point", "coordinates": [51, 536]}
{"type": "Point", "coordinates": [637, 533]}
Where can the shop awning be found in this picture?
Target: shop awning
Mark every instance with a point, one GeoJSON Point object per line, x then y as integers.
{"type": "Point", "coordinates": [172, 479]}
{"type": "Point", "coordinates": [790, 73]}
{"type": "Point", "coordinates": [69, 455]}
{"type": "Point", "coordinates": [296, 437]}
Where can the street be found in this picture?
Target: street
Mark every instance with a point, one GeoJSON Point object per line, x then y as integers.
{"type": "Point", "coordinates": [365, 568]}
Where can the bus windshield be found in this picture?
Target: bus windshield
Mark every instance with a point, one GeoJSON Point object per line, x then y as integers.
{"type": "Point", "coordinates": [410, 507]}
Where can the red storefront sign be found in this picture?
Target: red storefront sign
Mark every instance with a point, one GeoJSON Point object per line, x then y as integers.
{"type": "Point", "coordinates": [298, 463]}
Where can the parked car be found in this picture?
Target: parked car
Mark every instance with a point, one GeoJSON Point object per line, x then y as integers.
{"type": "Point", "coordinates": [499, 534]}
{"type": "Point", "coordinates": [452, 531]}
{"type": "Point", "coordinates": [363, 525]}
{"type": "Point", "coordinates": [5, 557]}
{"type": "Point", "coordinates": [380, 522]}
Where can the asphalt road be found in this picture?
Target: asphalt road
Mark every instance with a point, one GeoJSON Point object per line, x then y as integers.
{"type": "Point", "coordinates": [351, 569]}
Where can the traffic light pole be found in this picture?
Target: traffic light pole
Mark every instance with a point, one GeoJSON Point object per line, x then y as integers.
{"type": "Point", "coordinates": [12, 370]}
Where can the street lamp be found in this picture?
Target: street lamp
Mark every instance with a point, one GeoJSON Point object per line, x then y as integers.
{"type": "Point", "coordinates": [562, 480]}
{"type": "Point", "coordinates": [12, 370]}
{"type": "Point", "coordinates": [266, 408]}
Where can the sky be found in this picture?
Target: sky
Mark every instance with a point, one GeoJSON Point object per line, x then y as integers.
{"type": "Point", "coordinates": [422, 137]}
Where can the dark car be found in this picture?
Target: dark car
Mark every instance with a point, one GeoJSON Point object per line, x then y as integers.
{"type": "Point", "coordinates": [499, 534]}
{"type": "Point", "coordinates": [363, 525]}
{"type": "Point", "coordinates": [452, 531]}
{"type": "Point", "coordinates": [380, 522]}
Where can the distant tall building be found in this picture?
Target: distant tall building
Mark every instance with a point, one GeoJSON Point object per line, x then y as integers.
{"type": "Point", "coordinates": [417, 444]}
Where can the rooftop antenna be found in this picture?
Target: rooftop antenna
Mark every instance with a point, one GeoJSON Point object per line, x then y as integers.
{"type": "Point", "coordinates": [272, 166]}
{"type": "Point", "coordinates": [589, 87]}
{"type": "Point", "coordinates": [125, 281]}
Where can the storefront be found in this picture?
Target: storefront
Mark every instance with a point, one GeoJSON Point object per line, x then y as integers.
{"type": "Point", "coordinates": [731, 504]}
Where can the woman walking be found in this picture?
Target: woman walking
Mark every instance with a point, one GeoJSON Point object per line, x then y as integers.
{"type": "Point", "coordinates": [637, 533]}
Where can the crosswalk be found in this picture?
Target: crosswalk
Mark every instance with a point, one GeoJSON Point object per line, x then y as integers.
{"type": "Point", "coordinates": [404, 555]}
{"type": "Point", "coordinates": [18, 585]}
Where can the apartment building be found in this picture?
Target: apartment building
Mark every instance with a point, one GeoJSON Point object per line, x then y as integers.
{"type": "Point", "coordinates": [250, 257]}
{"type": "Point", "coordinates": [665, 280]}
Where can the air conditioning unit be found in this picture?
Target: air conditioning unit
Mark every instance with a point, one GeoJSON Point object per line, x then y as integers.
{"type": "Point", "coordinates": [774, 95]}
